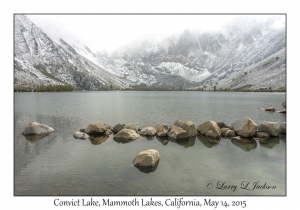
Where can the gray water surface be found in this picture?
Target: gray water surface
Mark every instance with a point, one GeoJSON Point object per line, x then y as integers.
{"type": "Point", "coordinates": [61, 165]}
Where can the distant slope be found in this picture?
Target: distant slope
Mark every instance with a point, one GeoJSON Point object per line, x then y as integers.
{"type": "Point", "coordinates": [40, 61]}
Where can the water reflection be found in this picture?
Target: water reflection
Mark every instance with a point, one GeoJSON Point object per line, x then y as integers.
{"type": "Point", "coordinates": [269, 143]}
{"type": "Point", "coordinates": [163, 140]}
{"type": "Point", "coordinates": [98, 139]}
{"type": "Point", "coordinates": [148, 170]}
{"type": "Point", "coordinates": [282, 138]}
{"type": "Point", "coordinates": [208, 142]}
{"type": "Point", "coordinates": [123, 141]}
{"type": "Point", "coordinates": [149, 138]}
{"type": "Point", "coordinates": [245, 144]}
{"type": "Point", "coordinates": [34, 138]}
{"type": "Point", "coordinates": [188, 142]}
{"type": "Point", "coordinates": [60, 165]}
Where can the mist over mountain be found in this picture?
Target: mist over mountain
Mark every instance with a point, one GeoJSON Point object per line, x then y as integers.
{"type": "Point", "coordinates": [245, 54]}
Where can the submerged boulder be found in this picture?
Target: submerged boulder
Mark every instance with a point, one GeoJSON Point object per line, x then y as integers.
{"type": "Point", "coordinates": [162, 130]}
{"type": "Point", "coordinates": [147, 158]}
{"type": "Point", "coordinates": [127, 134]}
{"type": "Point", "coordinates": [34, 128]}
{"type": "Point", "coordinates": [271, 128]}
{"type": "Point", "coordinates": [177, 133]}
{"type": "Point", "coordinates": [148, 131]}
{"type": "Point", "coordinates": [80, 135]}
{"type": "Point", "coordinates": [244, 127]}
{"type": "Point", "coordinates": [210, 129]}
{"type": "Point", "coordinates": [96, 128]}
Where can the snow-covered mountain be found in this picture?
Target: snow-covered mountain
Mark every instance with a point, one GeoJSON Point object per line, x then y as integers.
{"type": "Point", "coordinates": [246, 54]}
{"type": "Point", "coordinates": [40, 61]}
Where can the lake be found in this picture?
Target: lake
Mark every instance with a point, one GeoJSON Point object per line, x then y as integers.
{"type": "Point", "coordinates": [61, 165]}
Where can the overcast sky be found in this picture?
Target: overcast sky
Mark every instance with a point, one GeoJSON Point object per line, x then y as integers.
{"type": "Point", "coordinates": [107, 32]}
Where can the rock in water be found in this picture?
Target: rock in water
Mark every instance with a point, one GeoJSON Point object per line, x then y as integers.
{"type": "Point", "coordinates": [127, 134]}
{"type": "Point", "coordinates": [133, 126]}
{"type": "Point", "coordinates": [284, 104]}
{"type": "Point", "coordinates": [108, 132]}
{"type": "Point", "coordinates": [210, 129]}
{"type": "Point", "coordinates": [96, 128]}
{"type": "Point", "coordinates": [282, 129]}
{"type": "Point", "coordinates": [147, 158]}
{"type": "Point", "coordinates": [80, 135]}
{"type": "Point", "coordinates": [148, 131]}
{"type": "Point", "coordinates": [190, 128]}
{"type": "Point", "coordinates": [226, 132]}
{"type": "Point", "coordinates": [34, 128]}
{"type": "Point", "coordinates": [177, 133]}
{"type": "Point", "coordinates": [178, 123]}
{"type": "Point", "coordinates": [272, 128]}
{"type": "Point", "coordinates": [118, 127]}
{"type": "Point", "coordinates": [224, 125]}
{"type": "Point", "coordinates": [270, 109]}
{"type": "Point", "coordinates": [162, 130]}
{"type": "Point", "coordinates": [244, 127]}
{"type": "Point", "coordinates": [262, 135]}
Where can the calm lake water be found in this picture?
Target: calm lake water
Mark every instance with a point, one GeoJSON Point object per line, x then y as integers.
{"type": "Point", "coordinates": [61, 165]}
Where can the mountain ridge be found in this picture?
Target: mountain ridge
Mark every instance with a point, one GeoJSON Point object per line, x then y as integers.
{"type": "Point", "coordinates": [193, 60]}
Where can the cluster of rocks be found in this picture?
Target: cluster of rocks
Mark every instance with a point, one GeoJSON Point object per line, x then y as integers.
{"type": "Point", "coordinates": [272, 109]}
{"type": "Point", "coordinates": [213, 131]}
{"type": "Point", "coordinates": [124, 133]}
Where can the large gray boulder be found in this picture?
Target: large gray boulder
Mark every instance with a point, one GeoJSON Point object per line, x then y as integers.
{"type": "Point", "coordinates": [162, 130]}
{"type": "Point", "coordinates": [148, 131]}
{"type": "Point", "coordinates": [133, 126]}
{"type": "Point", "coordinates": [147, 158]}
{"type": "Point", "coordinates": [127, 134]}
{"type": "Point", "coordinates": [272, 128]}
{"type": "Point", "coordinates": [210, 129]}
{"type": "Point", "coordinates": [190, 128]}
{"type": "Point", "coordinates": [177, 133]}
{"type": "Point", "coordinates": [245, 127]}
{"type": "Point", "coordinates": [282, 129]}
{"type": "Point", "coordinates": [96, 128]}
{"type": "Point", "coordinates": [80, 135]}
{"type": "Point", "coordinates": [34, 128]}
